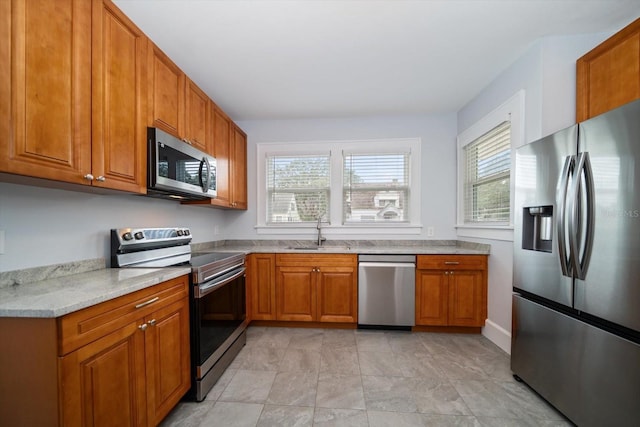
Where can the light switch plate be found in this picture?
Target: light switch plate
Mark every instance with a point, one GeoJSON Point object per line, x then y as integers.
{"type": "Point", "coordinates": [430, 231]}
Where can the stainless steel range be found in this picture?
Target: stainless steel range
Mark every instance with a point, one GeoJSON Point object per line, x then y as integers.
{"type": "Point", "coordinates": [218, 298]}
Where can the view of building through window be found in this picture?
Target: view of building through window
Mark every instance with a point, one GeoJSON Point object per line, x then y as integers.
{"type": "Point", "coordinates": [375, 187]}
{"type": "Point", "coordinates": [487, 177]}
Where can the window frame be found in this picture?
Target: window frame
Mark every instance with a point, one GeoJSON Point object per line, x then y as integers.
{"type": "Point", "coordinates": [511, 110]}
{"type": "Point", "coordinates": [333, 224]}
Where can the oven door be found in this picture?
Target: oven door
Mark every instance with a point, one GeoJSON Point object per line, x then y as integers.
{"type": "Point", "coordinates": [218, 317]}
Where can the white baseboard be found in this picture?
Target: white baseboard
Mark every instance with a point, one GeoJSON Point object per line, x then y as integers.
{"type": "Point", "coordinates": [498, 335]}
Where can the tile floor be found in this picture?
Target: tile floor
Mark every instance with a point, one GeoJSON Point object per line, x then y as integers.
{"type": "Point", "coordinates": [330, 377]}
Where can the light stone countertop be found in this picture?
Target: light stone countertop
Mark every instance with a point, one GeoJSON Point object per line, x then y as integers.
{"type": "Point", "coordinates": [56, 290]}
{"type": "Point", "coordinates": [62, 295]}
{"type": "Point", "coordinates": [407, 247]}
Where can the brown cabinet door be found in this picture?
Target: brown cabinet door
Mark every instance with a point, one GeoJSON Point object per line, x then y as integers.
{"type": "Point", "coordinates": [295, 293]}
{"type": "Point", "coordinates": [432, 297]}
{"type": "Point", "coordinates": [222, 153]}
{"type": "Point", "coordinates": [197, 115]}
{"type": "Point", "coordinates": [261, 277]}
{"type": "Point", "coordinates": [5, 82]}
{"type": "Point", "coordinates": [337, 294]}
{"type": "Point", "coordinates": [47, 99]}
{"type": "Point", "coordinates": [609, 75]}
{"type": "Point", "coordinates": [119, 90]}
{"type": "Point", "coordinates": [239, 170]}
{"type": "Point", "coordinates": [103, 383]}
{"type": "Point", "coordinates": [467, 304]}
{"type": "Point", "coordinates": [166, 93]}
{"type": "Point", "coordinates": [167, 358]}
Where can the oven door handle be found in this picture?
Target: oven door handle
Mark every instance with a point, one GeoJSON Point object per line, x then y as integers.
{"type": "Point", "coordinates": [205, 289]}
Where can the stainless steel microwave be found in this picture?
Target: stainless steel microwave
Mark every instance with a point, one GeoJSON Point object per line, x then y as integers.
{"type": "Point", "coordinates": [177, 170]}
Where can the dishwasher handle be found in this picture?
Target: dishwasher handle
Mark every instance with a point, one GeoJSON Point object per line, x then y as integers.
{"type": "Point", "coordinates": [387, 264]}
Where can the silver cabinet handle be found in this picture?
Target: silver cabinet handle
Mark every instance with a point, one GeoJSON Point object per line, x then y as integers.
{"type": "Point", "coordinates": [446, 273]}
{"type": "Point", "coordinates": [88, 177]}
{"type": "Point", "coordinates": [151, 301]}
{"type": "Point", "coordinates": [143, 327]}
{"type": "Point", "coordinates": [101, 178]}
{"type": "Point", "coordinates": [451, 263]}
{"type": "Point", "coordinates": [152, 322]}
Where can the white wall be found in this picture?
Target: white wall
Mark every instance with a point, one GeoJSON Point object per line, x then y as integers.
{"type": "Point", "coordinates": [437, 132]}
{"type": "Point", "coordinates": [546, 72]}
{"type": "Point", "coordinates": [46, 226]}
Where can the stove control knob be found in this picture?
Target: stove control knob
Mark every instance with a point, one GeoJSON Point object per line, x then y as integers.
{"type": "Point", "coordinates": [127, 236]}
{"type": "Point", "coordinates": [187, 232]}
{"type": "Point", "coordinates": [179, 232]}
{"type": "Point", "coordinates": [139, 235]}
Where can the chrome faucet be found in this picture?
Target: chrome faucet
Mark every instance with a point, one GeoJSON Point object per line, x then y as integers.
{"type": "Point", "coordinates": [319, 227]}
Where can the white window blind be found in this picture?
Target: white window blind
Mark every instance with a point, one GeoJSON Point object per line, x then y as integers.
{"type": "Point", "coordinates": [487, 176]}
{"type": "Point", "coordinates": [376, 187]}
{"type": "Point", "coordinates": [297, 188]}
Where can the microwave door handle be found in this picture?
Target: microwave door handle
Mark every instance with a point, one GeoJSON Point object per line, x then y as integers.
{"type": "Point", "coordinates": [204, 183]}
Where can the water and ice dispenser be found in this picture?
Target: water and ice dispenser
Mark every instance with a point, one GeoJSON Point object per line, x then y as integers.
{"type": "Point", "coordinates": [537, 228]}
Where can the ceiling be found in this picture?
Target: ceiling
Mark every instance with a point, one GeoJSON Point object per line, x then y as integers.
{"type": "Point", "coordinates": [268, 59]}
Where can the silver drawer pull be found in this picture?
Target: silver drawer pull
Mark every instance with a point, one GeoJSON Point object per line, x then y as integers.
{"type": "Point", "coordinates": [151, 301]}
{"type": "Point", "coordinates": [451, 263]}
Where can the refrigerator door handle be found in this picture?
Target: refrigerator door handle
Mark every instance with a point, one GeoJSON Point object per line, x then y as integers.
{"type": "Point", "coordinates": [581, 253]}
{"type": "Point", "coordinates": [561, 220]}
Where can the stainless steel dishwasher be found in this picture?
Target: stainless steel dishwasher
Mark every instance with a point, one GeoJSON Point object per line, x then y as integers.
{"type": "Point", "coordinates": [386, 291]}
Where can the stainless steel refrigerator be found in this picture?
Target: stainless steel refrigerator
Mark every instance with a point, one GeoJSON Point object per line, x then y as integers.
{"type": "Point", "coordinates": [576, 303]}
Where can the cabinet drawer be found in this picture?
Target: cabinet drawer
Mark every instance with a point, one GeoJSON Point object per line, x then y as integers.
{"type": "Point", "coordinates": [317, 260]}
{"type": "Point", "coordinates": [84, 326]}
{"type": "Point", "coordinates": [452, 262]}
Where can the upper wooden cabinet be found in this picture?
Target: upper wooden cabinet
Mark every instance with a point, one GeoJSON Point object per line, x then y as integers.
{"type": "Point", "coordinates": [609, 75]}
{"type": "Point", "coordinates": [166, 93]}
{"type": "Point", "coordinates": [73, 92]}
{"type": "Point", "coordinates": [238, 169]}
{"type": "Point", "coordinates": [197, 117]}
{"type": "Point", "coordinates": [46, 89]}
{"type": "Point", "coordinates": [176, 104]}
{"type": "Point", "coordinates": [119, 98]}
{"type": "Point", "coordinates": [230, 151]}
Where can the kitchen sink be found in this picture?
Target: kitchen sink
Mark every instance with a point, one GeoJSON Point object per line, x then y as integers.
{"type": "Point", "coordinates": [319, 248]}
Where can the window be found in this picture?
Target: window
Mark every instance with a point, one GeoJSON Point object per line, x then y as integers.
{"type": "Point", "coordinates": [297, 188]}
{"type": "Point", "coordinates": [351, 185]}
{"type": "Point", "coordinates": [487, 176]}
{"type": "Point", "coordinates": [486, 157]}
{"type": "Point", "coordinates": [376, 187]}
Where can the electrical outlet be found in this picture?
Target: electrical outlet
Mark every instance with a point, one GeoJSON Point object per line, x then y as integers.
{"type": "Point", "coordinates": [430, 231]}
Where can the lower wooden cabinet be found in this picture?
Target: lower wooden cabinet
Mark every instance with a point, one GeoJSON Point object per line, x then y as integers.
{"type": "Point", "coordinates": [124, 362]}
{"type": "Point", "coordinates": [304, 287]}
{"type": "Point", "coordinates": [137, 372]}
{"type": "Point", "coordinates": [262, 287]}
{"type": "Point", "coordinates": [317, 288]}
{"type": "Point", "coordinates": [451, 290]}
